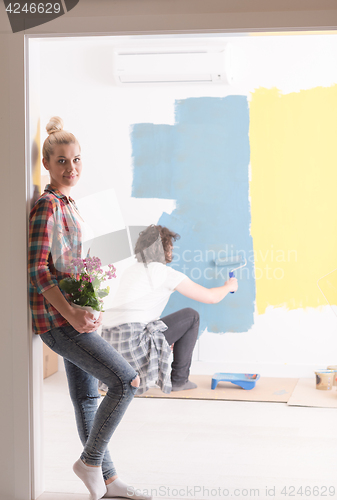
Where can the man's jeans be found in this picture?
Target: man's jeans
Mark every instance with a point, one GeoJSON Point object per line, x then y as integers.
{"type": "Point", "coordinates": [183, 328]}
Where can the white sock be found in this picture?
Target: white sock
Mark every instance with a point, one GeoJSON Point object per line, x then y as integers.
{"type": "Point", "coordinates": [92, 478]}
{"type": "Point", "coordinates": [119, 489]}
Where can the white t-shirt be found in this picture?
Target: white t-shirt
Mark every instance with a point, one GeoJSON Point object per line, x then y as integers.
{"type": "Point", "coordinates": [142, 294]}
{"type": "Point", "coordinates": [87, 233]}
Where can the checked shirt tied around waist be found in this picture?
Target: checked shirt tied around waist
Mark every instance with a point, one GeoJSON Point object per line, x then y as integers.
{"type": "Point", "coordinates": [145, 347]}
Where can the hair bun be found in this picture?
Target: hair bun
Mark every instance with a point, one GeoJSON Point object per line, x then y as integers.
{"type": "Point", "coordinates": [55, 125]}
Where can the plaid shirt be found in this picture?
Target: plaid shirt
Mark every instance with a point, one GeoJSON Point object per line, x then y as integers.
{"type": "Point", "coordinates": [54, 240]}
{"type": "Point", "coordinates": [146, 349]}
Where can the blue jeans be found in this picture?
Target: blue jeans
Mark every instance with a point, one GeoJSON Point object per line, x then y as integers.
{"type": "Point", "coordinates": [89, 358]}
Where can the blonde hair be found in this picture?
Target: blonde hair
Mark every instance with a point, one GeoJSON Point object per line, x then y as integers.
{"type": "Point", "coordinates": [56, 135]}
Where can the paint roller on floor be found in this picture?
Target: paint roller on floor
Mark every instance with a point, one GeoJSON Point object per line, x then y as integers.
{"type": "Point", "coordinates": [237, 261]}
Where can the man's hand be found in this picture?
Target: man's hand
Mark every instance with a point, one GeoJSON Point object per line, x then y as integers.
{"type": "Point", "coordinates": [232, 284]}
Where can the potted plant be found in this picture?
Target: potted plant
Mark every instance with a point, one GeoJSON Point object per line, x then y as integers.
{"type": "Point", "coordinates": [84, 284]}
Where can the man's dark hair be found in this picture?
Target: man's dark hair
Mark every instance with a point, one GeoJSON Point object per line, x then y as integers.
{"type": "Point", "coordinates": [154, 244]}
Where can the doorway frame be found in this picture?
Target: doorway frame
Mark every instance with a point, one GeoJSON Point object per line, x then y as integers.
{"type": "Point", "coordinates": [32, 390]}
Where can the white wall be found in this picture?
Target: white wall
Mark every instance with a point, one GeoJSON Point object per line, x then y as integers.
{"type": "Point", "coordinates": [77, 84]}
{"type": "Point", "coordinates": [15, 341]}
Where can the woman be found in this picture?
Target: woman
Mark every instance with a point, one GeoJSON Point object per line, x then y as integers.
{"type": "Point", "coordinates": [54, 240]}
{"type": "Point", "coordinates": [133, 326]}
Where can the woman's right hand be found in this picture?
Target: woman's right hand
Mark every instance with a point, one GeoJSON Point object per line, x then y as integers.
{"type": "Point", "coordinates": [82, 321]}
{"type": "Point", "coordinates": [232, 284]}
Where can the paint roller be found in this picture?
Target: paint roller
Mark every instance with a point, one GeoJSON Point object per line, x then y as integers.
{"type": "Point", "coordinates": [231, 261]}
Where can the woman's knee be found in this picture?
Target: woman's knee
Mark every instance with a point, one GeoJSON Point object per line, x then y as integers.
{"type": "Point", "coordinates": [135, 382]}
{"type": "Point", "coordinates": [122, 385]}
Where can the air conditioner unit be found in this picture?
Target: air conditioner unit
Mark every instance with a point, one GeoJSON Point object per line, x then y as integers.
{"type": "Point", "coordinates": [174, 66]}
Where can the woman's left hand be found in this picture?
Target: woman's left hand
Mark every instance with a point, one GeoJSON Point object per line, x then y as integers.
{"type": "Point", "coordinates": [98, 322]}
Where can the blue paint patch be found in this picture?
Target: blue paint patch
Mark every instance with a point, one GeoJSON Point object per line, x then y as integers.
{"type": "Point", "coordinates": [202, 162]}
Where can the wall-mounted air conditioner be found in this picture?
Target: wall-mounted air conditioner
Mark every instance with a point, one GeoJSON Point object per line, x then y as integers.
{"type": "Point", "coordinates": [174, 66]}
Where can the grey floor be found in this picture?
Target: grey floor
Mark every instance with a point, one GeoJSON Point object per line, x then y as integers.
{"type": "Point", "coordinates": [185, 449]}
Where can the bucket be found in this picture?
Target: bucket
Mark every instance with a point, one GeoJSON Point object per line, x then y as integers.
{"type": "Point", "coordinates": [333, 367]}
{"type": "Point", "coordinates": [324, 379]}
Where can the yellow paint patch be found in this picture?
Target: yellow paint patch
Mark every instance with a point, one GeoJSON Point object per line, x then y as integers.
{"type": "Point", "coordinates": [293, 191]}
{"type": "Point", "coordinates": [328, 286]}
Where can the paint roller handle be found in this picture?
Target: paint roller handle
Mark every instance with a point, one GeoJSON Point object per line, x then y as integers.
{"type": "Point", "coordinates": [231, 275]}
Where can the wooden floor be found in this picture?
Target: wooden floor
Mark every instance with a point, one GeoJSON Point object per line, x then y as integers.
{"type": "Point", "coordinates": [200, 449]}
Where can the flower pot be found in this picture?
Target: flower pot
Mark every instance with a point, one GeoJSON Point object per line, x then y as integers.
{"type": "Point", "coordinates": [87, 308]}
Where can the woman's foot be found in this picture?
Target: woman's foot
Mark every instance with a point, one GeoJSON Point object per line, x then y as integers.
{"type": "Point", "coordinates": [118, 489]}
{"type": "Point", "coordinates": [92, 478]}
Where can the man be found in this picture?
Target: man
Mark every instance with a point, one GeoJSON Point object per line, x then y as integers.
{"type": "Point", "coordinates": [133, 325]}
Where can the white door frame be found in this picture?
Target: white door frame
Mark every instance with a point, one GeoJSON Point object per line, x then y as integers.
{"type": "Point", "coordinates": [36, 369]}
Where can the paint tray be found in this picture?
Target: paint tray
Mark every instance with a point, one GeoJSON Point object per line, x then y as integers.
{"type": "Point", "coordinates": [245, 380]}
